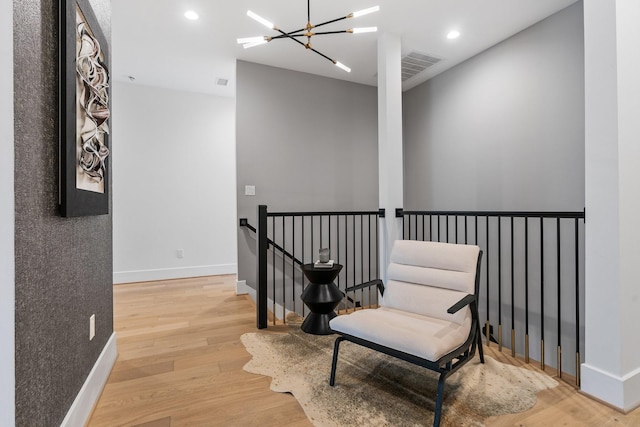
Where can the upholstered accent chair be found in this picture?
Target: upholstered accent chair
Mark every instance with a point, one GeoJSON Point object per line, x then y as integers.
{"type": "Point", "coordinates": [428, 311]}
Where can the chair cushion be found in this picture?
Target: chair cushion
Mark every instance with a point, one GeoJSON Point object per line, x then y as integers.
{"type": "Point", "coordinates": [424, 300]}
{"type": "Point", "coordinates": [423, 336]}
{"type": "Point", "coordinates": [446, 256]}
{"type": "Point", "coordinates": [446, 265]}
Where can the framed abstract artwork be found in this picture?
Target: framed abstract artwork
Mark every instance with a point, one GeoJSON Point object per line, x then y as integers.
{"type": "Point", "coordinates": [84, 112]}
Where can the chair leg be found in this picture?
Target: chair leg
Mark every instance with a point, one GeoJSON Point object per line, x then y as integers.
{"type": "Point", "coordinates": [439, 396]}
{"type": "Point", "coordinates": [479, 340]}
{"type": "Point", "coordinates": [334, 364]}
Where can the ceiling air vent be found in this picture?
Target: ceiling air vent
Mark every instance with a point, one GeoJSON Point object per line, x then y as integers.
{"type": "Point", "coordinates": [415, 63]}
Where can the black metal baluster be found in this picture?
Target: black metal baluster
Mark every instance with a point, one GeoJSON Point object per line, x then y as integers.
{"type": "Point", "coordinates": [303, 261]}
{"type": "Point", "coordinates": [526, 289]}
{"type": "Point", "coordinates": [438, 225]}
{"type": "Point", "coordinates": [353, 248]}
{"type": "Point", "coordinates": [542, 293]}
{"type": "Point", "coordinates": [466, 237]}
{"type": "Point", "coordinates": [369, 254]}
{"type": "Point", "coordinates": [273, 269]}
{"type": "Point", "coordinates": [487, 329]}
{"type": "Point", "coordinates": [338, 251]}
{"type": "Point", "coordinates": [377, 251]}
{"type": "Point", "coordinates": [559, 357]}
{"type": "Point", "coordinates": [362, 256]}
{"type": "Point", "coordinates": [499, 283]}
{"type": "Point", "coordinates": [284, 274]}
{"type": "Point", "coordinates": [447, 228]}
{"type": "Point", "coordinates": [513, 314]}
{"type": "Point", "coordinates": [577, 262]}
{"type": "Point", "coordinates": [346, 262]}
{"type": "Point", "coordinates": [293, 264]}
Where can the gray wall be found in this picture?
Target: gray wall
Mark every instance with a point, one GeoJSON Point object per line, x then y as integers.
{"type": "Point", "coordinates": [306, 142]}
{"type": "Point", "coordinates": [505, 129]}
{"type": "Point", "coordinates": [63, 266]}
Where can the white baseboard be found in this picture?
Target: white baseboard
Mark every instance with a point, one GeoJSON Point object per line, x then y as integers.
{"type": "Point", "coordinates": [243, 289]}
{"type": "Point", "coordinates": [622, 393]}
{"type": "Point", "coordinates": [173, 273]}
{"type": "Point", "coordinates": [90, 392]}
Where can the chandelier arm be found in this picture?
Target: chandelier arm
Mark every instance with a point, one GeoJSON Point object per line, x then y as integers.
{"type": "Point", "coordinates": [330, 32]}
{"type": "Point", "coordinates": [305, 46]}
{"type": "Point", "coordinates": [291, 37]}
{"type": "Point", "coordinates": [286, 36]}
{"type": "Point", "coordinates": [323, 55]}
{"type": "Point", "coordinates": [331, 22]}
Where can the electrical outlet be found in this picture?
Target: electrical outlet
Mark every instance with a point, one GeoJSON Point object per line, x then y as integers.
{"type": "Point", "coordinates": [180, 253]}
{"type": "Point", "coordinates": [92, 326]}
{"type": "Point", "coordinates": [249, 190]}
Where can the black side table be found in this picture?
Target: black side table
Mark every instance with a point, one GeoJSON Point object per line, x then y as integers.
{"type": "Point", "coordinates": [322, 296]}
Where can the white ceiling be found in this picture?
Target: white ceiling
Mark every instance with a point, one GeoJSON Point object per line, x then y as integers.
{"type": "Point", "coordinates": [155, 43]}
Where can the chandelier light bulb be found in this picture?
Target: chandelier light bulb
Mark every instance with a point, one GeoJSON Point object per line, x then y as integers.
{"type": "Point", "coordinates": [258, 39]}
{"type": "Point", "coordinates": [344, 67]}
{"type": "Point", "coordinates": [260, 19]}
{"type": "Point", "coordinates": [254, 44]}
{"type": "Point", "coordinates": [364, 30]}
{"type": "Point", "coordinates": [366, 11]}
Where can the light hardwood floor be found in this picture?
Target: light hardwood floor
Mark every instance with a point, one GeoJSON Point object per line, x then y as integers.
{"type": "Point", "coordinates": [180, 364]}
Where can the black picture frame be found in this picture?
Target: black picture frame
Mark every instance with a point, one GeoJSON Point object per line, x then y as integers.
{"type": "Point", "coordinates": [75, 201]}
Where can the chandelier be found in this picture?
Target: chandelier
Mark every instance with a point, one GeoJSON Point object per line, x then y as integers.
{"type": "Point", "coordinates": [307, 32]}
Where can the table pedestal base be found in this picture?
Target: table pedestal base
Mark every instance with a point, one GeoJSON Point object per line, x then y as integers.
{"type": "Point", "coordinates": [318, 323]}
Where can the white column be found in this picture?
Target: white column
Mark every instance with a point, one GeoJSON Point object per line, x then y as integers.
{"type": "Point", "coordinates": [611, 371]}
{"type": "Point", "coordinates": [7, 257]}
{"type": "Point", "coordinates": [390, 170]}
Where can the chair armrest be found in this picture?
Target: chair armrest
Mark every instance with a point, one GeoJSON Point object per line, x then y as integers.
{"type": "Point", "coordinates": [376, 282]}
{"type": "Point", "coordinates": [462, 303]}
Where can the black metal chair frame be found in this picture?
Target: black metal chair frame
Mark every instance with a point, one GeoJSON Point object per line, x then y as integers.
{"type": "Point", "coordinates": [447, 364]}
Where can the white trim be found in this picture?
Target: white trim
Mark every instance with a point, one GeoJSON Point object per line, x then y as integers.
{"type": "Point", "coordinates": [90, 392]}
{"type": "Point", "coordinates": [243, 289]}
{"type": "Point", "coordinates": [7, 220]}
{"type": "Point", "coordinates": [173, 273]}
{"type": "Point", "coordinates": [622, 393]}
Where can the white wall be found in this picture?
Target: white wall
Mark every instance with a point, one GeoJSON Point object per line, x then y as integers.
{"type": "Point", "coordinates": [173, 184]}
{"type": "Point", "coordinates": [7, 257]}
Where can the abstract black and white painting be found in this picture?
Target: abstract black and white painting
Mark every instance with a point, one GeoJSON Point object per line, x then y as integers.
{"type": "Point", "coordinates": [84, 112]}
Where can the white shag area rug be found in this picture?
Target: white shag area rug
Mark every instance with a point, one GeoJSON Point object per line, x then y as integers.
{"type": "Point", "coordinates": [373, 389]}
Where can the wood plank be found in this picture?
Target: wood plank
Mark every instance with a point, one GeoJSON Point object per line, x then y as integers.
{"type": "Point", "coordinates": [180, 363]}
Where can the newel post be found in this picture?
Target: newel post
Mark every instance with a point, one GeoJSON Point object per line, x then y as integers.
{"type": "Point", "coordinates": [261, 266]}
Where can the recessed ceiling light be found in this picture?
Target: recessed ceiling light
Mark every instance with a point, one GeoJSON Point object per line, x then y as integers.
{"type": "Point", "coordinates": [222, 82]}
{"type": "Point", "coordinates": [453, 34]}
{"type": "Point", "coordinates": [190, 14]}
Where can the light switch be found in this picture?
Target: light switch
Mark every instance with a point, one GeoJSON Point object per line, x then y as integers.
{"type": "Point", "coordinates": [249, 190]}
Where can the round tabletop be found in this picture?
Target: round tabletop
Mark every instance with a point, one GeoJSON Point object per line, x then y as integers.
{"type": "Point", "coordinates": [321, 275]}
